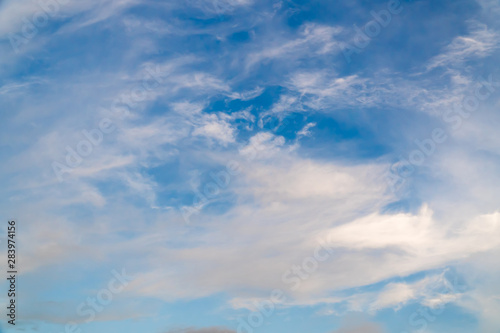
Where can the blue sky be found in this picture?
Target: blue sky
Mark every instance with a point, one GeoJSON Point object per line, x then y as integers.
{"type": "Point", "coordinates": [222, 166]}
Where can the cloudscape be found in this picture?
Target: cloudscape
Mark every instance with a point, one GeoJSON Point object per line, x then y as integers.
{"type": "Point", "coordinates": [250, 166]}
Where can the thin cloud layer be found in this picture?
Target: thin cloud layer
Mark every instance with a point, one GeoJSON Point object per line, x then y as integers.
{"type": "Point", "coordinates": [218, 153]}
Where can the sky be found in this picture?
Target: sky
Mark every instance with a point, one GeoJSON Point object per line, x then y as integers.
{"type": "Point", "coordinates": [241, 166]}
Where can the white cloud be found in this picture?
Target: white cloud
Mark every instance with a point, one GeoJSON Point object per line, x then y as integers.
{"type": "Point", "coordinates": [305, 130]}
{"type": "Point", "coordinates": [215, 128]}
{"type": "Point", "coordinates": [219, 7]}
{"type": "Point", "coordinates": [480, 43]}
{"type": "Point", "coordinates": [313, 39]}
{"type": "Point", "coordinates": [262, 145]}
{"type": "Point", "coordinates": [283, 203]}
